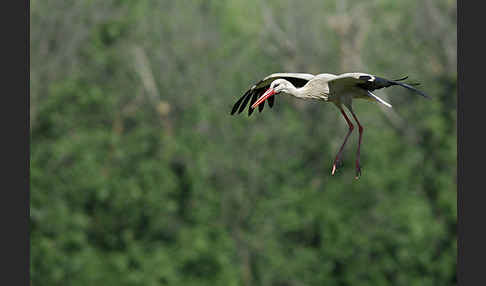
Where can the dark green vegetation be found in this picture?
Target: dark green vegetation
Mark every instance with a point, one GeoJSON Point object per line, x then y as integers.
{"type": "Point", "coordinates": [139, 175]}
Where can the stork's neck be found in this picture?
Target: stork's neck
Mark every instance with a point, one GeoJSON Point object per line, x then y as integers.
{"type": "Point", "coordinates": [305, 92]}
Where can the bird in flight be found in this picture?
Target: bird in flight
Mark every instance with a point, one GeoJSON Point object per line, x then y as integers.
{"type": "Point", "coordinates": [338, 89]}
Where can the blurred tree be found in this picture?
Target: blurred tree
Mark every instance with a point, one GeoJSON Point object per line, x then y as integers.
{"type": "Point", "coordinates": [140, 177]}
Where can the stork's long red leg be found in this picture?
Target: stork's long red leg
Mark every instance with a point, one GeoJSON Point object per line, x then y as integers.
{"type": "Point", "coordinates": [360, 129]}
{"type": "Point", "coordinates": [338, 156]}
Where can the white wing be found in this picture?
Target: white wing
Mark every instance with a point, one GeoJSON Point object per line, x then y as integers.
{"type": "Point", "coordinates": [295, 78]}
{"type": "Point", "coordinates": [349, 80]}
{"type": "Point", "coordinates": [368, 83]}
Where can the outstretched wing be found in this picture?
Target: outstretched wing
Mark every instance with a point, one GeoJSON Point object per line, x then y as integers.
{"type": "Point", "coordinates": [369, 83]}
{"type": "Point", "coordinates": [252, 94]}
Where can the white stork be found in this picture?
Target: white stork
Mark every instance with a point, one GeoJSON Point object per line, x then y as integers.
{"type": "Point", "coordinates": [338, 89]}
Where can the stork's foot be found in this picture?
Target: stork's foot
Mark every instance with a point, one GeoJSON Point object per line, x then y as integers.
{"type": "Point", "coordinates": [337, 164]}
{"type": "Point", "coordinates": [358, 170]}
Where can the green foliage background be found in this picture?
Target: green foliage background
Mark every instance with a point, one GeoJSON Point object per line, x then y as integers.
{"type": "Point", "coordinates": [139, 175]}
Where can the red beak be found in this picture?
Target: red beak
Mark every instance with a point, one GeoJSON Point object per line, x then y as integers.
{"type": "Point", "coordinates": [262, 98]}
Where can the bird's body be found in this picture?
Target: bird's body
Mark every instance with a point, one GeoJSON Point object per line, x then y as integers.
{"type": "Point", "coordinates": [338, 89]}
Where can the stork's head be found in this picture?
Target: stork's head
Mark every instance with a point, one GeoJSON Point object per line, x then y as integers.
{"type": "Point", "coordinates": [281, 86]}
{"type": "Point", "coordinates": [278, 86]}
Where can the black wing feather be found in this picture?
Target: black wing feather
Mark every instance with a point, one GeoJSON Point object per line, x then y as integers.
{"type": "Point", "coordinates": [297, 82]}
{"type": "Point", "coordinates": [379, 83]}
{"type": "Point", "coordinates": [237, 104]}
{"type": "Point", "coordinates": [253, 94]}
{"type": "Point", "coordinates": [400, 79]}
{"type": "Point", "coordinates": [261, 106]}
{"type": "Point", "coordinates": [411, 88]}
{"type": "Point", "coordinates": [271, 100]}
{"type": "Point", "coordinates": [253, 99]}
{"type": "Point", "coordinates": [244, 103]}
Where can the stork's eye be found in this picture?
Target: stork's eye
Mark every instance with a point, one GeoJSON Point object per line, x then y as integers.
{"type": "Point", "coordinates": [276, 85]}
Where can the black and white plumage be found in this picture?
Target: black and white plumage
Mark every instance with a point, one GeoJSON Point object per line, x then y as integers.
{"type": "Point", "coordinates": [297, 79]}
{"type": "Point", "coordinates": [339, 89]}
